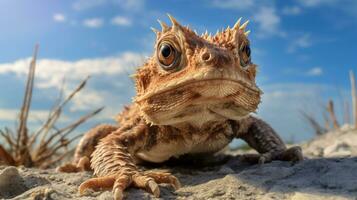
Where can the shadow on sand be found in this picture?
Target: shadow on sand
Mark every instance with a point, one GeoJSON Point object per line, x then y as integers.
{"type": "Point", "coordinates": [321, 176]}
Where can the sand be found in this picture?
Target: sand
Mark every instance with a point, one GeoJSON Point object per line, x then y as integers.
{"type": "Point", "coordinates": [328, 172]}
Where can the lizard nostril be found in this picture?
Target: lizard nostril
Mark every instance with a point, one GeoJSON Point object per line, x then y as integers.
{"type": "Point", "coordinates": [206, 56]}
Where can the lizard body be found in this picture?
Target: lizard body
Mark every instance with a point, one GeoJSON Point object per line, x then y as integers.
{"type": "Point", "coordinates": [194, 95]}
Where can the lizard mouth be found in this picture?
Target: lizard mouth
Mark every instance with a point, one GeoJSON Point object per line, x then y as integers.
{"type": "Point", "coordinates": [203, 97]}
{"type": "Point", "coordinates": [202, 80]}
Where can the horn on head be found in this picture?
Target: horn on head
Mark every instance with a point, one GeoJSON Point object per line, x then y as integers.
{"type": "Point", "coordinates": [164, 26]}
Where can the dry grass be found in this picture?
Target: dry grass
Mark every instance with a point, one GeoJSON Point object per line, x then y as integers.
{"type": "Point", "coordinates": [46, 146]}
{"type": "Point", "coordinates": [329, 115]}
{"type": "Point", "coordinates": [354, 97]}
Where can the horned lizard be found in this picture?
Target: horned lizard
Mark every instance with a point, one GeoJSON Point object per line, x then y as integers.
{"type": "Point", "coordinates": [194, 95]}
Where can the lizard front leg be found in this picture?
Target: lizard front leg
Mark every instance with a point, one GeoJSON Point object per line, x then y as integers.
{"type": "Point", "coordinates": [261, 137]}
{"type": "Point", "coordinates": [114, 164]}
{"type": "Point", "coordinates": [86, 147]}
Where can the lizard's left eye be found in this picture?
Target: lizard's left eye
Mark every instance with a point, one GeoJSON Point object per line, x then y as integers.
{"type": "Point", "coordinates": [244, 55]}
{"type": "Point", "coordinates": [168, 56]}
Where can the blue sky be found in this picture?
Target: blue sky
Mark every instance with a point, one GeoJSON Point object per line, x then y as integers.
{"type": "Point", "coordinates": [304, 50]}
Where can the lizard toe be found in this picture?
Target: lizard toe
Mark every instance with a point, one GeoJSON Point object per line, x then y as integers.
{"type": "Point", "coordinates": [145, 182]}
{"type": "Point", "coordinates": [96, 184]}
{"type": "Point", "coordinates": [164, 177]}
{"type": "Point", "coordinates": [82, 165]}
{"type": "Point", "coordinates": [118, 183]}
{"type": "Point", "coordinates": [68, 168]}
{"type": "Point", "coordinates": [265, 158]}
{"type": "Point", "coordinates": [153, 188]}
{"type": "Point", "coordinates": [293, 154]}
{"type": "Point", "coordinates": [118, 194]}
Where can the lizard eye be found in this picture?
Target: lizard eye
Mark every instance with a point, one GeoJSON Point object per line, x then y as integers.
{"type": "Point", "coordinates": [244, 55]}
{"type": "Point", "coordinates": [168, 56]}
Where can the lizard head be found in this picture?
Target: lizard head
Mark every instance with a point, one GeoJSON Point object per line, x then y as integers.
{"type": "Point", "coordinates": [197, 79]}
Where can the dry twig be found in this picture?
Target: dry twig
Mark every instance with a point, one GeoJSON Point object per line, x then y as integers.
{"type": "Point", "coordinates": [331, 119]}
{"type": "Point", "coordinates": [49, 144]}
{"type": "Point", "coordinates": [315, 125]}
{"type": "Point", "coordinates": [354, 97]}
{"type": "Point", "coordinates": [331, 110]}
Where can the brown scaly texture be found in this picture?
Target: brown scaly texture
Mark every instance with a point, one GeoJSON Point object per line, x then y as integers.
{"type": "Point", "coordinates": [194, 95]}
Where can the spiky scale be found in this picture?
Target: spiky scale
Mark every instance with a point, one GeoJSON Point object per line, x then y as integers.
{"type": "Point", "coordinates": [173, 20]}
{"type": "Point", "coordinates": [244, 25]}
{"type": "Point", "coordinates": [247, 33]}
{"type": "Point", "coordinates": [164, 26]}
{"type": "Point", "coordinates": [206, 33]}
{"type": "Point", "coordinates": [237, 24]}
{"type": "Point", "coordinates": [155, 30]}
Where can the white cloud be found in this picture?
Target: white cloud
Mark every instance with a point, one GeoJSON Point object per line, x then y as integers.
{"type": "Point", "coordinates": [282, 105]}
{"type": "Point", "coordinates": [315, 71]}
{"type": "Point", "coordinates": [87, 4]}
{"type": "Point", "coordinates": [263, 12]}
{"type": "Point", "coordinates": [131, 5]}
{"type": "Point", "coordinates": [112, 98]}
{"type": "Point", "coordinates": [304, 41]}
{"type": "Point", "coordinates": [88, 98]}
{"type": "Point", "coordinates": [347, 6]}
{"type": "Point", "coordinates": [299, 71]}
{"type": "Point", "coordinates": [50, 71]}
{"type": "Point", "coordinates": [298, 91]}
{"type": "Point", "coordinates": [313, 3]}
{"type": "Point", "coordinates": [234, 4]}
{"type": "Point", "coordinates": [93, 22]}
{"type": "Point", "coordinates": [59, 17]}
{"type": "Point", "coordinates": [268, 21]}
{"type": "Point", "coordinates": [110, 70]}
{"type": "Point", "coordinates": [121, 21]}
{"type": "Point", "coordinates": [34, 116]}
{"type": "Point", "coordinates": [291, 10]}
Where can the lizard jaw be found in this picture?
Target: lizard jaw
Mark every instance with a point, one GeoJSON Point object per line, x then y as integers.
{"type": "Point", "coordinates": [204, 76]}
{"type": "Point", "coordinates": [199, 102]}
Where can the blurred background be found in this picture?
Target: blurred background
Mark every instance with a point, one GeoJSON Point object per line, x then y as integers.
{"type": "Point", "coordinates": [304, 49]}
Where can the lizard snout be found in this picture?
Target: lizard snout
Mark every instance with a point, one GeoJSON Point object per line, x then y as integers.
{"type": "Point", "coordinates": [214, 57]}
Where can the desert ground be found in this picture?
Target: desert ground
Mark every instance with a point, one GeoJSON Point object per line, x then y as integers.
{"type": "Point", "coordinates": [327, 172]}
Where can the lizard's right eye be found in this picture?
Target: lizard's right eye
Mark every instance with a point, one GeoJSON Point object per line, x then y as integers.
{"type": "Point", "coordinates": [168, 56]}
{"type": "Point", "coordinates": [244, 54]}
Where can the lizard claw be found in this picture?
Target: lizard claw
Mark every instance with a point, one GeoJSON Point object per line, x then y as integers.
{"type": "Point", "coordinates": [153, 188]}
{"type": "Point", "coordinates": [262, 160]}
{"type": "Point", "coordinates": [118, 183]}
{"type": "Point", "coordinates": [266, 157]}
{"type": "Point", "coordinates": [176, 184]}
{"type": "Point", "coordinates": [118, 194]}
{"type": "Point", "coordinates": [95, 184]}
{"type": "Point", "coordinates": [164, 177]}
{"type": "Point", "coordinates": [293, 154]}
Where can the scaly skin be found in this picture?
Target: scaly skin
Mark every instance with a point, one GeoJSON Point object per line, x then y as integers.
{"type": "Point", "coordinates": [194, 95]}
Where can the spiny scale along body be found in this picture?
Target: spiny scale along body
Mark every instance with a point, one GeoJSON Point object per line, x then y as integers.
{"type": "Point", "coordinates": [194, 95]}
